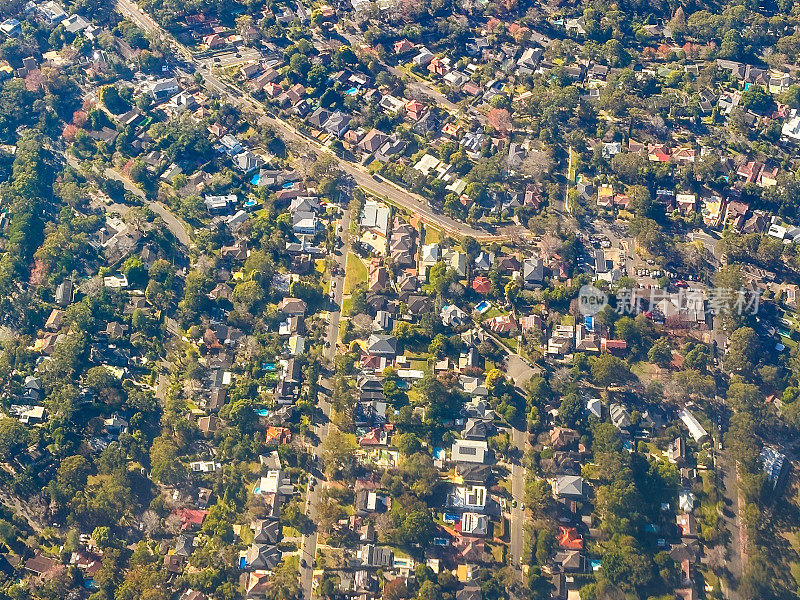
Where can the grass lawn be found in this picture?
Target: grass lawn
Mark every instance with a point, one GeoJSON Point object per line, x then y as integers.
{"type": "Point", "coordinates": [785, 551]}
{"type": "Point", "coordinates": [414, 397]}
{"type": "Point", "coordinates": [510, 343]}
{"type": "Point", "coordinates": [418, 363]}
{"type": "Point", "coordinates": [355, 273]}
{"type": "Point", "coordinates": [345, 311]}
{"type": "Point", "coordinates": [572, 164]}
{"type": "Point", "coordinates": [290, 531]}
{"type": "Point", "coordinates": [246, 535]}
{"type": "Point", "coordinates": [498, 552]}
{"type": "Point", "coordinates": [432, 235]}
{"type": "Point", "coordinates": [646, 371]}
{"type": "Point", "coordinates": [491, 313]}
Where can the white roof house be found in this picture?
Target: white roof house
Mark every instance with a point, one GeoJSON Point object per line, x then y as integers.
{"type": "Point", "coordinates": [453, 316]}
{"type": "Point", "coordinates": [274, 483]}
{"type": "Point", "coordinates": [469, 496]}
{"type": "Point", "coordinates": [117, 281]}
{"type": "Point", "coordinates": [474, 524]}
{"type": "Point", "coordinates": [375, 216]}
{"type": "Point", "coordinates": [471, 451]}
{"type": "Point", "coordinates": [430, 254]}
{"type": "Point", "coordinates": [205, 466]}
{"type": "Point", "coordinates": [686, 501]}
{"type": "Point", "coordinates": [594, 406]}
{"type": "Point", "coordinates": [424, 57]}
{"type": "Point", "coordinates": [791, 128]}
{"type": "Point", "coordinates": [698, 433]}
{"type": "Point", "coordinates": [569, 486]}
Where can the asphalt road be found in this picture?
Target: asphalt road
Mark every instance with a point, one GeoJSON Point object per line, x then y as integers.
{"type": "Point", "coordinates": [308, 545]}
{"type": "Point", "coordinates": [726, 472]}
{"type": "Point", "coordinates": [517, 534]}
{"type": "Point", "coordinates": [520, 371]}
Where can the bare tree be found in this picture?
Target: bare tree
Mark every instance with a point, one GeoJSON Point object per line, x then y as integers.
{"type": "Point", "coordinates": [537, 163]}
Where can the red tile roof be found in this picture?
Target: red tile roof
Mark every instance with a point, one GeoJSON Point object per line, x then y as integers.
{"type": "Point", "coordinates": [482, 285]}
{"type": "Point", "coordinates": [191, 517]}
{"type": "Point", "coordinates": [568, 537]}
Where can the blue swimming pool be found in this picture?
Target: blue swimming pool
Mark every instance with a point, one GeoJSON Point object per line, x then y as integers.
{"type": "Point", "coordinates": [352, 91]}
{"type": "Point", "coordinates": [255, 179]}
{"type": "Point", "coordinates": [262, 412]}
{"type": "Point", "coordinates": [483, 306]}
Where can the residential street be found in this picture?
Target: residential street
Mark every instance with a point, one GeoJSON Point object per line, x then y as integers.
{"type": "Point", "coordinates": [518, 493]}
{"type": "Point", "coordinates": [507, 252]}
{"type": "Point", "coordinates": [726, 472]}
{"type": "Point", "coordinates": [520, 371]}
{"type": "Point", "coordinates": [308, 546]}
{"type": "Point", "coordinates": [375, 184]}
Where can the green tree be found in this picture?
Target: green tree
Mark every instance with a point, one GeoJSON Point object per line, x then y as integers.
{"type": "Point", "coordinates": [164, 464]}
{"type": "Point", "coordinates": [338, 452]}
{"type": "Point", "coordinates": [408, 443]}
{"type": "Point", "coordinates": [12, 438]}
{"type": "Point", "coordinates": [570, 410]}
{"type": "Point", "coordinates": [660, 352]}
{"type": "Point", "coordinates": [607, 370]}
{"type": "Point", "coordinates": [757, 99]}
{"type": "Point", "coordinates": [625, 565]}
{"type": "Point", "coordinates": [71, 476]}
{"type": "Point", "coordinates": [113, 101]}
{"type": "Point", "coordinates": [249, 293]}
{"type": "Point", "coordinates": [743, 351]}
{"type": "Point", "coordinates": [417, 528]}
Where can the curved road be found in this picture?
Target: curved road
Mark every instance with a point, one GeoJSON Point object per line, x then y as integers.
{"type": "Point", "coordinates": [176, 226]}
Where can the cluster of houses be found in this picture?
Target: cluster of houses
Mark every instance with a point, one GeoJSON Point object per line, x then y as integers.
{"type": "Point", "coordinates": [470, 512]}
{"type": "Point", "coordinates": [675, 530]}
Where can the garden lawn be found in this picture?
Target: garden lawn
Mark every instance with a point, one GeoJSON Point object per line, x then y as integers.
{"type": "Point", "coordinates": [355, 273]}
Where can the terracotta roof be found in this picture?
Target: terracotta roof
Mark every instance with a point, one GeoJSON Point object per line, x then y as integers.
{"type": "Point", "coordinates": [482, 285]}
{"type": "Point", "coordinates": [568, 537]}
{"type": "Point", "coordinates": [191, 517]}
